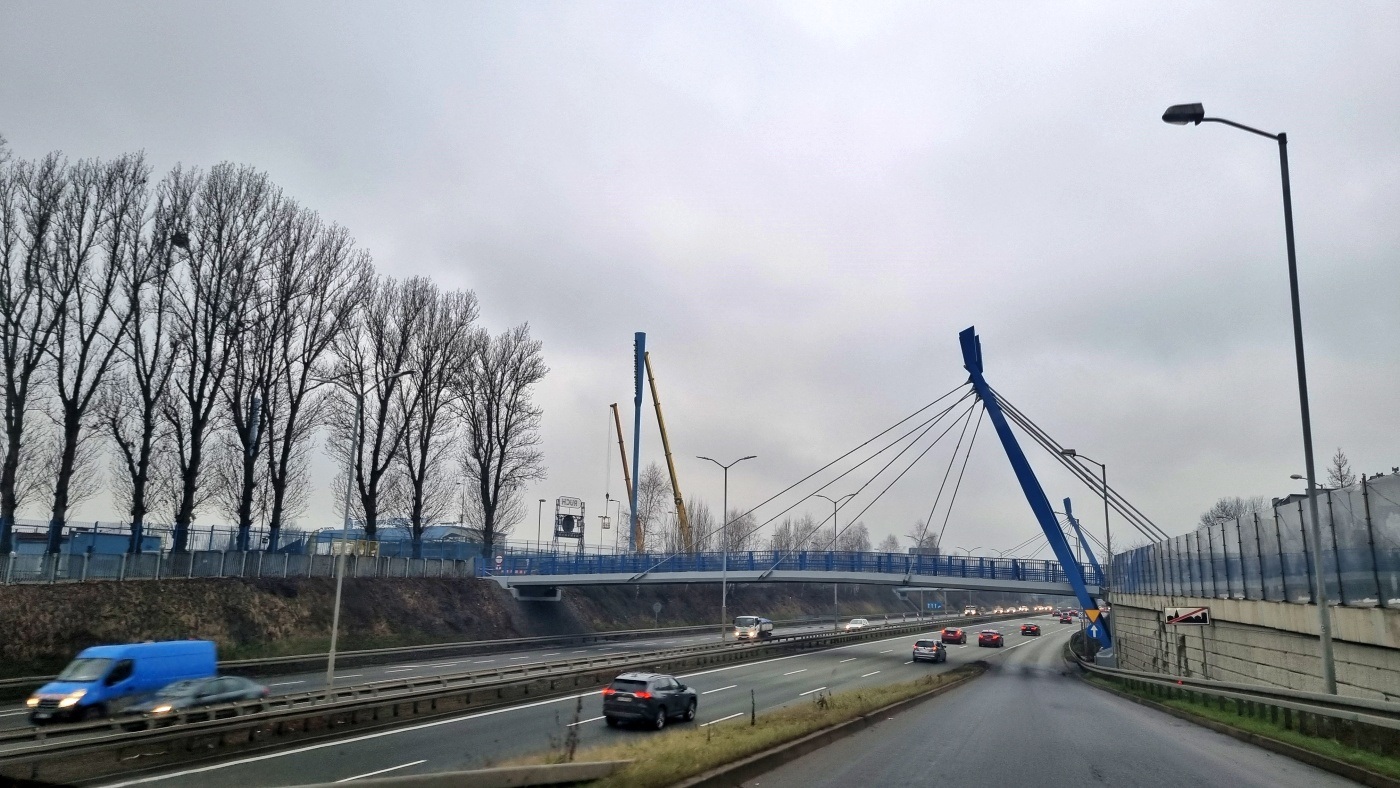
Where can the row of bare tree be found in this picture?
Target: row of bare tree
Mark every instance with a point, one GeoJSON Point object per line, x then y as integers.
{"type": "Point", "coordinates": [201, 331]}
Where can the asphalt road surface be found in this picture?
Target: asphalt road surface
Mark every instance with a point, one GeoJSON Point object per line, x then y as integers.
{"type": "Point", "coordinates": [480, 739]}
{"type": "Point", "coordinates": [1026, 722]}
{"type": "Point", "coordinates": [14, 715]}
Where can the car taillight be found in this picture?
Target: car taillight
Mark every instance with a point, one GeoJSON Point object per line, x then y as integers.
{"type": "Point", "coordinates": [609, 691]}
{"type": "Point", "coordinates": [644, 695]}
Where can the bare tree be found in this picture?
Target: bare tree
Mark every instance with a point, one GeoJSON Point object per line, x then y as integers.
{"type": "Point", "coordinates": [1339, 473]}
{"type": "Point", "coordinates": [441, 348]}
{"type": "Point", "coordinates": [924, 539]}
{"type": "Point", "coordinates": [130, 409]}
{"type": "Point", "coordinates": [373, 356]}
{"type": "Point", "coordinates": [500, 421]}
{"type": "Point", "coordinates": [31, 194]}
{"type": "Point", "coordinates": [227, 225]}
{"type": "Point", "coordinates": [742, 533]}
{"type": "Point", "coordinates": [890, 544]}
{"type": "Point", "coordinates": [787, 537]}
{"type": "Point", "coordinates": [320, 280]}
{"type": "Point", "coordinates": [1227, 509]}
{"type": "Point", "coordinates": [702, 525]}
{"type": "Point", "coordinates": [97, 240]}
{"type": "Point", "coordinates": [653, 503]}
{"type": "Point", "coordinates": [854, 539]}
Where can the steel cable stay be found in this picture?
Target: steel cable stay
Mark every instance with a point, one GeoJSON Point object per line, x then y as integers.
{"type": "Point", "coordinates": [805, 536]}
{"type": "Point", "coordinates": [965, 418]}
{"type": "Point", "coordinates": [948, 513]}
{"type": "Point", "coordinates": [790, 487]}
{"type": "Point", "coordinates": [1117, 502]}
{"type": "Point", "coordinates": [942, 485]}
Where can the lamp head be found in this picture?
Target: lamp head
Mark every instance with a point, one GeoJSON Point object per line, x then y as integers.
{"type": "Point", "coordinates": [1182, 114]}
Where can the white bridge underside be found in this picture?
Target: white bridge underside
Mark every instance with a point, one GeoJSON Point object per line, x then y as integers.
{"type": "Point", "coordinates": [910, 582]}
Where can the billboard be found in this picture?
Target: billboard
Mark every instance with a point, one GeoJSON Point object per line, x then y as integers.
{"type": "Point", "coordinates": [568, 518]}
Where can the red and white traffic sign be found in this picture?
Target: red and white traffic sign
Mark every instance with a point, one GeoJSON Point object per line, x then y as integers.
{"type": "Point", "coordinates": [1187, 615]}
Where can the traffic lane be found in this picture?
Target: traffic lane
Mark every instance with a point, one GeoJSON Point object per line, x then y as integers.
{"type": "Point", "coordinates": [484, 738]}
{"type": "Point", "coordinates": [14, 717]}
{"type": "Point", "coordinates": [1061, 731]}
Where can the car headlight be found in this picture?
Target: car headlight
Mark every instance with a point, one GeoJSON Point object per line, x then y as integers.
{"type": "Point", "coordinates": [72, 699]}
{"type": "Point", "coordinates": [32, 702]}
{"type": "Point", "coordinates": [164, 708]}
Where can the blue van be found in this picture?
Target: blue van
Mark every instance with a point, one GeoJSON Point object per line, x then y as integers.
{"type": "Point", "coordinates": [103, 678]}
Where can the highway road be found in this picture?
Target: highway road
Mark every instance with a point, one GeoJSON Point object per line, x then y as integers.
{"type": "Point", "coordinates": [481, 739]}
{"type": "Point", "coordinates": [14, 715]}
{"type": "Point", "coordinates": [1026, 722]}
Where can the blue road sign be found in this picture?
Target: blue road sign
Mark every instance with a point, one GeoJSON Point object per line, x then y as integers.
{"type": "Point", "coordinates": [935, 605]}
{"type": "Point", "coordinates": [1093, 630]}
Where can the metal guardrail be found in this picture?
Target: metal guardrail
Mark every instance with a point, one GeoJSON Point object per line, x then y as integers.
{"type": "Point", "coordinates": [368, 656]}
{"type": "Point", "coordinates": [53, 568]}
{"type": "Point", "coordinates": [89, 750]}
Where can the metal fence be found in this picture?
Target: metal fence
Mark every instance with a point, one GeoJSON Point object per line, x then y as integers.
{"type": "Point", "coordinates": [1265, 556]}
{"type": "Point", "coordinates": [83, 567]}
{"type": "Point", "coordinates": [517, 562]}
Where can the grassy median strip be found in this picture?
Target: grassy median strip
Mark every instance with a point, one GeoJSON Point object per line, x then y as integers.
{"type": "Point", "coordinates": [1208, 708]}
{"type": "Point", "coordinates": [677, 753]}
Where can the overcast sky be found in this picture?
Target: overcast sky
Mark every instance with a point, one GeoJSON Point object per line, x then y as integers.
{"type": "Point", "coordinates": [803, 203]}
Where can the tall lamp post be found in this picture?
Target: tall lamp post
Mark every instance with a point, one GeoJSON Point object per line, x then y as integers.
{"type": "Point", "coordinates": [539, 523]}
{"type": "Point", "coordinates": [1106, 580]}
{"type": "Point", "coordinates": [969, 555]}
{"type": "Point", "coordinates": [835, 604]}
{"type": "Point", "coordinates": [1181, 115]}
{"type": "Point", "coordinates": [724, 538]}
{"type": "Point", "coordinates": [344, 531]}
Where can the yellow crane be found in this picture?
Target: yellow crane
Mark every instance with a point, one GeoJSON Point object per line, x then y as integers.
{"type": "Point", "coordinates": [682, 519]}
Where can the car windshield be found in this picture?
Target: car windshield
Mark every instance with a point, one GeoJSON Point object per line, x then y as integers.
{"type": "Point", "coordinates": [85, 669]}
{"type": "Point", "coordinates": [746, 621]}
{"type": "Point", "coordinates": [858, 621]}
{"type": "Point", "coordinates": [180, 689]}
{"type": "Point", "coordinates": [628, 685]}
{"type": "Point", "coordinates": [926, 644]}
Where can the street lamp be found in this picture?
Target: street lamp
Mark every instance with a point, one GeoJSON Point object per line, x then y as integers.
{"type": "Point", "coordinates": [724, 538]}
{"type": "Point", "coordinates": [1180, 115]}
{"type": "Point", "coordinates": [349, 487]}
{"type": "Point", "coordinates": [539, 523]}
{"type": "Point", "coordinates": [969, 555]}
{"type": "Point", "coordinates": [835, 605]}
{"type": "Point", "coordinates": [1107, 535]}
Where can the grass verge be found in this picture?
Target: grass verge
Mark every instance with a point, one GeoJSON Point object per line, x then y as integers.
{"type": "Point", "coordinates": [677, 753]}
{"type": "Point", "coordinates": [1264, 726]}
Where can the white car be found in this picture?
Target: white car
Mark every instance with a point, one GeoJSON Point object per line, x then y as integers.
{"type": "Point", "coordinates": [1023, 609]}
{"type": "Point", "coordinates": [856, 623]}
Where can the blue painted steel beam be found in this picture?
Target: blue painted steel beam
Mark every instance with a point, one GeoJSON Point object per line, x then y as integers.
{"type": "Point", "coordinates": [1035, 494]}
{"type": "Point", "coordinates": [1079, 534]}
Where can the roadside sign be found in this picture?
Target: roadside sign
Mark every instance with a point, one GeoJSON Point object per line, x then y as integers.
{"type": "Point", "coordinates": [656, 607]}
{"type": "Point", "coordinates": [1187, 615]}
{"type": "Point", "coordinates": [1093, 631]}
{"type": "Point", "coordinates": [1093, 613]}
{"type": "Point", "coordinates": [935, 605]}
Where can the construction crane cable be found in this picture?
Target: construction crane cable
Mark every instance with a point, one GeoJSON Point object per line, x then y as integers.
{"type": "Point", "coordinates": [1120, 504]}
{"type": "Point", "coordinates": [881, 434]}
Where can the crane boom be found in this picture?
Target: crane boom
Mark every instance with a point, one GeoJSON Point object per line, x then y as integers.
{"type": "Point", "coordinates": [682, 519]}
{"type": "Point", "coordinates": [626, 477]}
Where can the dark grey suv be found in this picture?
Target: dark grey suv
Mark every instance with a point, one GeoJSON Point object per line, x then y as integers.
{"type": "Point", "coordinates": [652, 698]}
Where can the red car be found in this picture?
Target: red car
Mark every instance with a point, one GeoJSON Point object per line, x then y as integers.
{"type": "Point", "coordinates": [1030, 629]}
{"type": "Point", "coordinates": [1066, 618]}
{"type": "Point", "coordinates": [991, 638]}
{"type": "Point", "coordinates": [953, 635]}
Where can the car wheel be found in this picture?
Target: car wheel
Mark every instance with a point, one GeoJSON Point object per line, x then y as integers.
{"type": "Point", "coordinates": [689, 712]}
{"type": "Point", "coordinates": [660, 721]}
{"type": "Point", "coordinates": [611, 721]}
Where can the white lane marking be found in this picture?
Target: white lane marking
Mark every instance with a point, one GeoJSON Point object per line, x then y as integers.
{"type": "Point", "coordinates": [580, 651]}
{"type": "Point", "coordinates": [790, 672]}
{"type": "Point", "coordinates": [398, 670]}
{"type": "Point", "coordinates": [13, 713]}
{"type": "Point", "coordinates": [582, 722]}
{"type": "Point", "coordinates": [808, 692]}
{"type": "Point", "coordinates": [910, 662]}
{"type": "Point", "coordinates": [287, 683]}
{"type": "Point", "coordinates": [719, 689]}
{"type": "Point", "coordinates": [483, 661]}
{"type": "Point", "coordinates": [519, 657]}
{"type": "Point", "coordinates": [722, 719]}
{"type": "Point", "coordinates": [466, 718]}
{"type": "Point", "coordinates": [348, 675]}
{"type": "Point", "coordinates": [381, 771]}
{"type": "Point", "coordinates": [852, 659]}
{"type": "Point", "coordinates": [871, 673]}
{"type": "Point", "coordinates": [552, 654]}
{"type": "Point", "coordinates": [886, 651]}
{"type": "Point", "coordinates": [442, 665]}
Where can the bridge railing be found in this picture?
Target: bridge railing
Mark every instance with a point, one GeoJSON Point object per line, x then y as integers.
{"type": "Point", "coordinates": [523, 562]}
